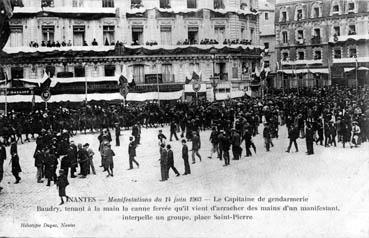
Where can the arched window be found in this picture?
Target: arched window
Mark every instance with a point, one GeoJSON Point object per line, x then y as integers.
{"type": "Point", "coordinates": [352, 51]}
{"type": "Point", "coordinates": [299, 13]}
{"type": "Point", "coordinates": [336, 8]}
{"type": "Point", "coordinates": [351, 6]}
{"type": "Point", "coordinates": [300, 54]}
{"type": "Point", "coordinates": [316, 10]}
{"type": "Point", "coordinates": [284, 36]}
{"type": "Point", "coordinates": [283, 14]}
{"type": "Point", "coordinates": [337, 53]}
{"type": "Point", "coordinates": [317, 53]}
{"type": "Point", "coordinates": [285, 55]}
{"type": "Point", "coordinates": [316, 35]}
{"type": "Point", "coordinates": [299, 35]}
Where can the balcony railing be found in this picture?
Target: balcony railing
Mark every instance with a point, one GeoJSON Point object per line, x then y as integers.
{"type": "Point", "coordinates": [222, 76]}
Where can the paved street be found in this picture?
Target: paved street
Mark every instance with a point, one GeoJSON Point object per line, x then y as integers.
{"type": "Point", "coordinates": [333, 176]}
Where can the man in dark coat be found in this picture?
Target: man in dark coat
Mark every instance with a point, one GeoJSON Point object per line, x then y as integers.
{"type": "Point", "coordinates": [247, 136]}
{"type": "Point", "coordinates": [161, 137]}
{"type": "Point", "coordinates": [267, 137]}
{"type": "Point", "coordinates": [214, 142]}
{"type": "Point", "coordinates": [163, 162]}
{"type": "Point", "coordinates": [16, 169]}
{"type": "Point", "coordinates": [196, 145]}
{"type": "Point", "coordinates": [226, 144]}
{"type": "Point", "coordinates": [293, 134]}
{"type": "Point", "coordinates": [117, 134]}
{"type": "Point", "coordinates": [72, 154]}
{"type": "Point", "coordinates": [135, 132]}
{"type": "Point", "coordinates": [309, 139]}
{"type": "Point", "coordinates": [82, 157]}
{"type": "Point", "coordinates": [173, 130]}
{"type": "Point", "coordinates": [65, 164]}
{"type": "Point", "coordinates": [51, 163]}
{"type": "Point", "coordinates": [132, 153]}
{"type": "Point", "coordinates": [39, 163]}
{"type": "Point", "coordinates": [185, 158]}
{"type": "Point", "coordinates": [171, 162]}
{"type": "Point", "coordinates": [236, 144]}
{"type": "Point", "coordinates": [220, 144]}
{"type": "Point", "coordinates": [2, 158]}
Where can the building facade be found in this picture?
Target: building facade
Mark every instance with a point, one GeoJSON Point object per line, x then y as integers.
{"type": "Point", "coordinates": [321, 43]}
{"type": "Point", "coordinates": [151, 41]}
{"type": "Point", "coordinates": [268, 40]}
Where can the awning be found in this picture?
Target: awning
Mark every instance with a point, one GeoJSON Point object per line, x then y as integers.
{"type": "Point", "coordinates": [319, 71]}
{"type": "Point", "coordinates": [348, 69]}
{"type": "Point", "coordinates": [286, 71]}
{"type": "Point", "coordinates": [362, 68]}
{"type": "Point", "coordinates": [305, 71]}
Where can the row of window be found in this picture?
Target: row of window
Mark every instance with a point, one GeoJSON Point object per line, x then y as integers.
{"type": "Point", "coordinates": [316, 37]}
{"type": "Point", "coordinates": [218, 4]}
{"type": "Point", "coordinates": [137, 70]}
{"type": "Point", "coordinates": [317, 54]}
{"type": "Point", "coordinates": [79, 35]}
{"type": "Point", "coordinates": [300, 12]}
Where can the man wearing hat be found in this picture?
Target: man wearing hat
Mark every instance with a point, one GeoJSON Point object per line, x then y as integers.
{"type": "Point", "coordinates": [132, 153]}
{"type": "Point", "coordinates": [309, 138]}
{"type": "Point", "coordinates": [2, 158]}
{"type": "Point", "coordinates": [72, 155]}
{"type": "Point", "coordinates": [171, 161]}
{"type": "Point", "coordinates": [163, 163]}
{"type": "Point", "coordinates": [196, 145]}
{"type": "Point", "coordinates": [117, 134]}
{"type": "Point", "coordinates": [185, 157]}
{"type": "Point", "coordinates": [90, 154]}
{"type": "Point", "coordinates": [267, 136]}
{"type": "Point", "coordinates": [108, 155]}
{"type": "Point", "coordinates": [236, 144]}
{"type": "Point", "coordinates": [62, 183]}
{"type": "Point", "coordinates": [214, 141]}
{"type": "Point", "coordinates": [161, 137]}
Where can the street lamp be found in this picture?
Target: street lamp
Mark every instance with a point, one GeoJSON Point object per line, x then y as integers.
{"type": "Point", "coordinates": [356, 79]}
{"type": "Point", "coordinates": [157, 79]}
{"type": "Point", "coordinates": [214, 82]}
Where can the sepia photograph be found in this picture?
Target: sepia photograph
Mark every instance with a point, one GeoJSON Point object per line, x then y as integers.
{"type": "Point", "coordinates": [184, 118]}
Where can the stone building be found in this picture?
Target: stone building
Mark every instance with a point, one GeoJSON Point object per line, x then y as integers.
{"type": "Point", "coordinates": [267, 39]}
{"type": "Point", "coordinates": [322, 43]}
{"type": "Point", "coordinates": [158, 43]}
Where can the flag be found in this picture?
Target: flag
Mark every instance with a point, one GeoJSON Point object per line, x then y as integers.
{"type": "Point", "coordinates": [45, 85]}
{"type": "Point", "coordinates": [195, 76]}
{"type": "Point", "coordinates": [122, 81]}
{"type": "Point", "coordinates": [188, 80]}
{"type": "Point", "coordinates": [4, 30]}
{"type": "Point", "coordinates": [45, 82]}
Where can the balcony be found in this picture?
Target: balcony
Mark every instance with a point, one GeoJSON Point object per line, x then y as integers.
{"type": "Point", "coordinates": [316, 40]}
{"type": "Point", "coordinates": [222, 76]}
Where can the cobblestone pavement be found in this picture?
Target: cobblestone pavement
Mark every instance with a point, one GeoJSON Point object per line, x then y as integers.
{"type": "Point", "coordinates": [333, 176]}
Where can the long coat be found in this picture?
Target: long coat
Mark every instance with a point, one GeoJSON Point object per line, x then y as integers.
{"type": "Point", "coordinates": [15, 164]}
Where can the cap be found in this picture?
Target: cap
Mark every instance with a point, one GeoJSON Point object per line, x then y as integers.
{"type": "Point", "coordinates": [86, 145]}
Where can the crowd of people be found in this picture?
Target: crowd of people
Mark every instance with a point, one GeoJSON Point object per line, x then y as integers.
{"type": "Point", "coordinates": [321, 117]}
{"type": "Point", "coordinates": [57, 44]}
{"type": "Point", "coordinates": [206, 41]}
